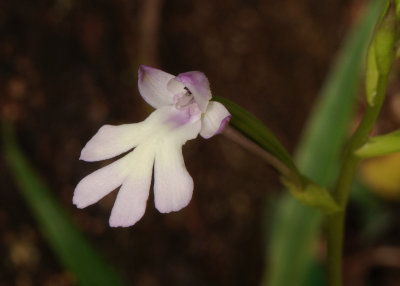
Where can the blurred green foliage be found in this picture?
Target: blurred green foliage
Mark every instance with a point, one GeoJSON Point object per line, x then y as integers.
{"type": "Point", "coordinates": [380, 145]}
{"type": "Point", "coordinates": [295, 227]}
{"type": "Point", "coordinates": [67, 242]}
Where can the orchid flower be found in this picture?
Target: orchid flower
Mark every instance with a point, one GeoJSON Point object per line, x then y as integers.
{"type": "Point", "coordinates": [183, 110]}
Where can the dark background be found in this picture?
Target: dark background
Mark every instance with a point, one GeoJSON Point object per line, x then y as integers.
{"type": "Point", "coordinates": [67, 67]}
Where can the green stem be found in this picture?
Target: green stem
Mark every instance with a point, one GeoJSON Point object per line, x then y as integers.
{"type": "Point", "coordinates": [335, 222]}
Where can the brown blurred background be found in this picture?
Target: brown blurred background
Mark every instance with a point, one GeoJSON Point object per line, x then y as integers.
{"type": "Point", "coordinates": [67, 67]}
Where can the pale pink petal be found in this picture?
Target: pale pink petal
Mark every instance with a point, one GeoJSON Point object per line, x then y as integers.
{"type": "Point", "coordinates": [130, 204]}
{"type": "Point", "coordinates": [214, 120]}
{"type": "Point", "coordinates": [153, 86]}
{"type": "Point", "coordinates": [111, 141]}
{"type": "Point", "coordinates": [173, 186]}
{"type": "Point", "coordinates": [198, 85]}
{"type": "Point", "coordinates": [101, 182]}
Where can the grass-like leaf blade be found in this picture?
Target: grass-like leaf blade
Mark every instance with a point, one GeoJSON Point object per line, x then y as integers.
{"type": "Point", "coordinates": [380, 145]}
{"type": "Point", "coordinates": [73, 250]}
{"type": "Point", "coordinates": [295, 227]}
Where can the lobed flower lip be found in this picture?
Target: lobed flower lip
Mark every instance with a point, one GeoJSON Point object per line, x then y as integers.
{"type": "Point", "coordinates": [183, 110]}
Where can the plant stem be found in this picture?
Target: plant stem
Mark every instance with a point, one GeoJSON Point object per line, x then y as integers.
{"type": "Point", "coordinates": [249, 145]}
{"type": "Point", "coordinates": [335, 222]}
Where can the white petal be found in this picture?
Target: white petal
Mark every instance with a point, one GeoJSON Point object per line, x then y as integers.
{"type": "Point", "coordinates": [131, 201]}
{"type": "Point", "coordinates": [110, 141]}
{"type": "Point", "coordinates": [173, 186]}
{"type": "Point", "coordinates": [100, 183]}
{"type": "Point", "coordinates": [153, 86]}
{"type": "Point", "coordinates": [214, 120]}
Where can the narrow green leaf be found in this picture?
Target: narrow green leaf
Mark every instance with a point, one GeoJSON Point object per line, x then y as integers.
{"type": "Point", "coordinates": [318, 152]}
{"type": "Point", "coordinates": [384, 41]}
{"type": "Point", "coordinates": [381, 55]}
{"type": "Point", "coordinates": [380, 145]}
{"type": "Point", "coordinates": [73, 250]}
{"type": "Point", "coordinates": [254, 129]}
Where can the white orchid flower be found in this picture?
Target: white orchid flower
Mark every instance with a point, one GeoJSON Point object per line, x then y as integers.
{"type": "Point", "coordinates": [183, 110]}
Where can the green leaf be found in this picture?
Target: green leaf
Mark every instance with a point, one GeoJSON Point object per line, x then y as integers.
{"type": "Point", "coordinates": [254, 129]}
{"type": "Point", "coordinates": [380, 145]}
{"type": "Point", "coordinates": [397, 5]}
{"type": "Point", "coordinates": [73, 250]}
{"type": "Point", "coordinates": [381, 55]}
{"type": "Point", "coordinates": [384, 41]}
{"type": "Point", "coordinates": [318, 153]}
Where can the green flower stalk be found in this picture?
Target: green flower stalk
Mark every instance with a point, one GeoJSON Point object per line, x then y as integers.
{"type": "Point", "coordinates": [380, 59]}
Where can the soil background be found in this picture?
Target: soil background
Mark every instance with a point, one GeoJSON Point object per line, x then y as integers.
{"type": "Point", "coordinates": [68, 67]}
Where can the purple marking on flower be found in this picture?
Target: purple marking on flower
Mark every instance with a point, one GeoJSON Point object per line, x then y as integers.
{"type": "Point", "coordinates": [223, 124]}
{"type": "Point", "coordinates": [198, 85]}
{"type": "Point", "coordinates": [179, 118]}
